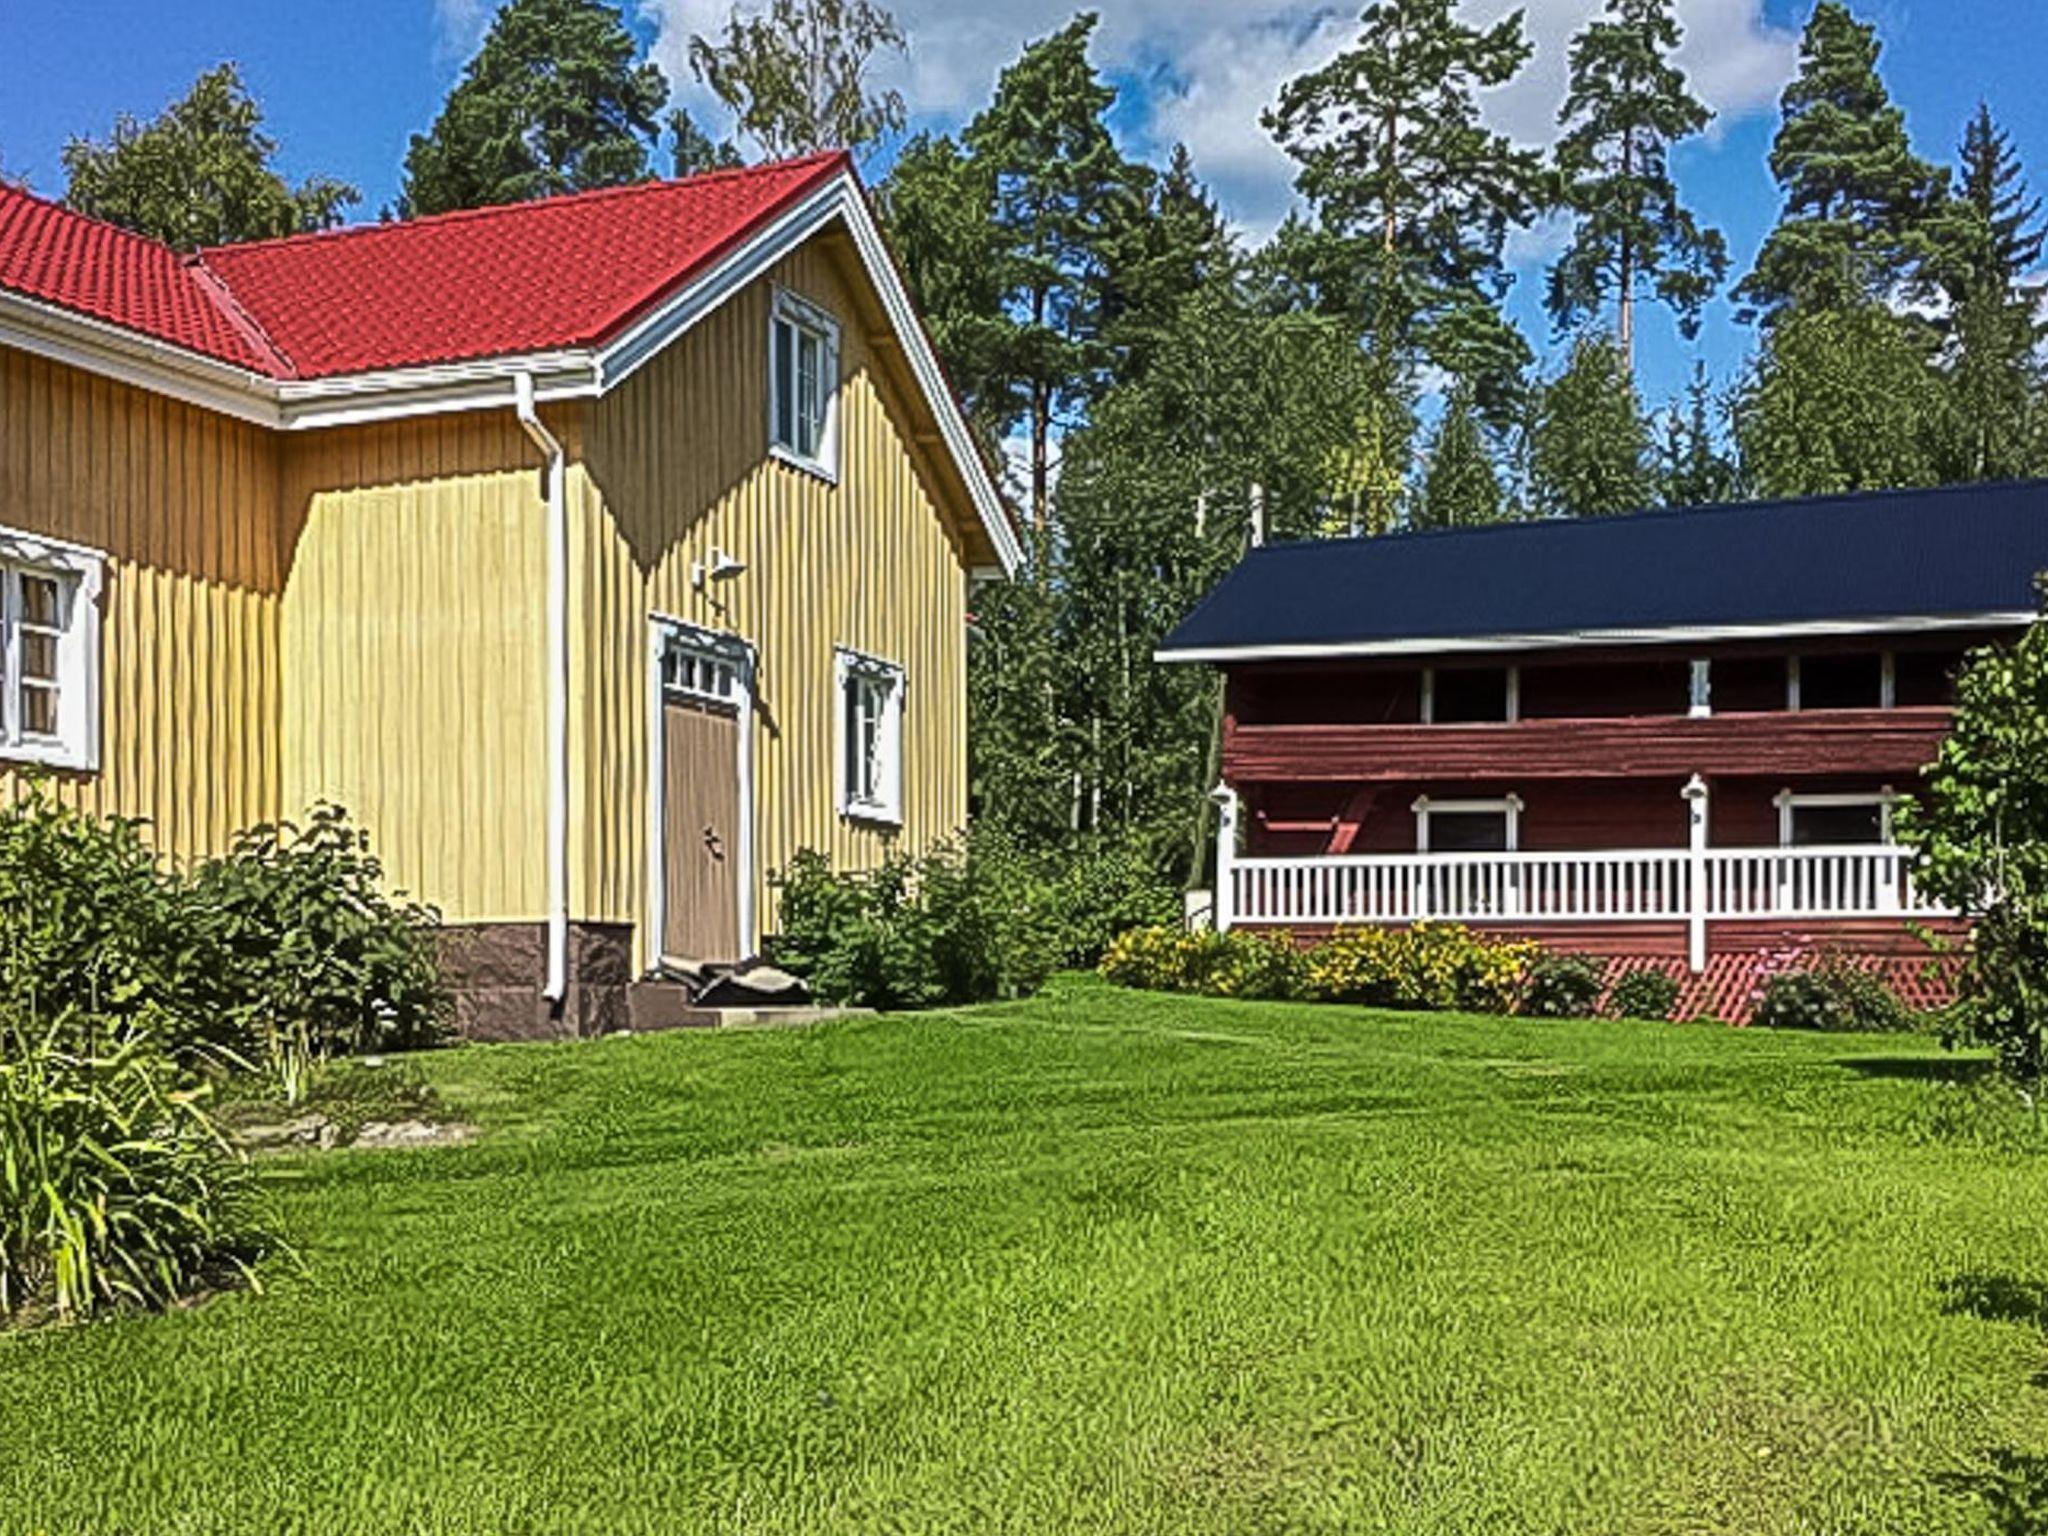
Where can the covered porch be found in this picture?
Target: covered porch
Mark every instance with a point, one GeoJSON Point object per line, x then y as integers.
{"type": "Point", "coordinates": [1698, 890]}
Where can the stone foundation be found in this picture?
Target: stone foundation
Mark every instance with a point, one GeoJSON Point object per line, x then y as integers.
{"type": "Point", "coordinates": [496, 972]}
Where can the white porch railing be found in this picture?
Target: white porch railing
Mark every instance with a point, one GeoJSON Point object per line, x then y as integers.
{"type": "Point", "coordinates": [1639, 885]}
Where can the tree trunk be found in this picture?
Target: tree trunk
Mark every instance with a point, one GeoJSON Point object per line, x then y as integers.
{"type": "Point", "coordinates": [1627, 326]}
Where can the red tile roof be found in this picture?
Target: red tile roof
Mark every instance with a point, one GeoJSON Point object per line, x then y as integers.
{"type": "Point", "coordinates": [529, 277]}
{"type": "Point", "coordinates": [47, 252]}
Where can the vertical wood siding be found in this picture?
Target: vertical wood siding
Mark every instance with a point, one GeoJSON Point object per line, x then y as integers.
{"type": "Point", "coordinates": [675, 464]}
{"type": "Point", "coordinates": [183, 502]}
{"type": "Point", "coordinates": [412, 640]}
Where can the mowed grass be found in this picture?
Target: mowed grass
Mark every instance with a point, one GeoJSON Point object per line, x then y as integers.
{"type": "Point", "coordinates": [1110, 1262]}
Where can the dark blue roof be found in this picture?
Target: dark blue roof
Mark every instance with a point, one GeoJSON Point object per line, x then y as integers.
{"type": "Point", "coordinates": [1951, 552]}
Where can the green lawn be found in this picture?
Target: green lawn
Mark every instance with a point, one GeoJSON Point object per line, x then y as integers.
{"type": "Point", "coordinates": [1110, 1262]}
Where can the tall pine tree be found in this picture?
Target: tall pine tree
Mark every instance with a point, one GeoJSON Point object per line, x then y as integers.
{"type": "Point", "coordinates": [1860, 206]}
{"type": "Point", "coordinates": [1626, 106]}
{"type": "Point", "coordinates": [1061, 198]}
{"type": "Point", "coordinates": [553, 102]}
{"type": "Point", "coordinates": [1413, 195]}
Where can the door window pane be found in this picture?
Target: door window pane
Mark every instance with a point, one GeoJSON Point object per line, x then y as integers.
{"type": "Point", "coordinates": [1831, 826]}
{"type": "Point", "coordinates": [1468, 831]}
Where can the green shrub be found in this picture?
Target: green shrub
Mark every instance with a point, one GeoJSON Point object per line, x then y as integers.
{"type": "Point", "coordinates": [1836, 995]}
{"type": "Point", "coordinates": [91, 927]}
{"type": "Point", "coordinates": [284, 950]}
{"type": "Point", "coordinates": [1644, 994]}
{"type": "Point", "coordinates": [1426, 966]}
{"type": "Point", "coordinates": [316, 960]}
{"type": "Point", "coordinates": [1239, 964]}
{"type": "Point", "coordinates": [956, 926]}
{"type": "Point", "coordinates": [116, 1188]}
{"type": "Point", "coordinates": [1095, 894]}
{"type": "Point", "coordinates": [1562, 986]}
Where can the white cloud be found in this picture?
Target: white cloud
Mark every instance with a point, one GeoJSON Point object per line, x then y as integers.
{"type": "Point", "coordinates": [1206, 69]}
{"type": "Point", "coordinates": [459, 26]}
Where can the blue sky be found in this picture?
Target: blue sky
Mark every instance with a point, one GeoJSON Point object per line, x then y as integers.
{"type": "Point", "coordinates": [344, 84]}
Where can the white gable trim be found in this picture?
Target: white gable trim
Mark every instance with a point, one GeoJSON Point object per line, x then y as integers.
{"type": "Point", "coordinates": [487, 384]}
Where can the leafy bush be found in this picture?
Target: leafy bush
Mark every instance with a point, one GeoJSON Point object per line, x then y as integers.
{"type": "Point", "coordinates": [1644, 994]}
{"type": "Point", "coordinates": [1426, 966]}
{"type": "Point", "coordinates": [1429, 966]}
{"type": "Point", "coordinates": [284, 950]}
{"type": "Point", "coordinates": [1235, 964]}
{"type": "Point", "coordinates": [1834, 995]}
{"type": "Point", "coordinates": [116, 1188]}
{"type": "Point", "coordinates": [315, 958]}
{"type": "Point", "coordinates": [967, 922]}
{"type": "Point", "coordinates": [91, 927]}
{"type": "Point", "coordinates": [912, 933]}
{"type": "Point", "coordinates": [1562, 986]}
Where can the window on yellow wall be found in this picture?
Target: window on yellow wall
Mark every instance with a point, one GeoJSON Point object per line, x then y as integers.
{"type": "Point", "coordinates": [803, 384]}
{"type": "Point", "coordinates": [49, 651]}
{"type": "Point", "coordinates": [870, 737]}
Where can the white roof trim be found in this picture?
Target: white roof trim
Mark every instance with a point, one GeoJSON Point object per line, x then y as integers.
{"type": "Point", "coordinates": [567, 374]}
{"type": "Point", "coordinates": [1677, 634]}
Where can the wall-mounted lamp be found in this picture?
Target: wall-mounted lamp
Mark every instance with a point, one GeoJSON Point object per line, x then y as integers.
{"type": "Point", "coordinates": [723, 567]}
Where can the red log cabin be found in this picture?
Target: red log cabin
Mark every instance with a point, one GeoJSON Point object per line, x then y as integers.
{"type": "Point", "coordinates": [1675, 734]}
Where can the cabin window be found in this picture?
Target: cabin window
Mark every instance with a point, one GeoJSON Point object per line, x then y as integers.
{"type": "Point", "coordinates": [1925, 677]}
{"type": "Point", "coordinates": [1848, 681]}
{"type": "Point", "coordinates": [1470, 695]}
{"type": "Point", "coordinates": [870, 738]}
{"type": "Point", "coordinates": [49, 651]}
{"type": "Point", "coordinates": [803, 382]}
{"type": "Point", "coordinates": [1835, 821]}
{"type": "Point", "coordinates": [1468, 826]}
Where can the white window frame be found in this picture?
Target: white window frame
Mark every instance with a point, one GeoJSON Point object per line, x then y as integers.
{"type": "Point", "coordinates": [80, 574]}
{"type": "Point", "coordinates": [801, 316]}
{"type": "Point", "coordinates": [1788, 801]}
{"type": "Point", "coordinates": [883, 801]}
{"type": "Point", "coordinates": [1507, 805]}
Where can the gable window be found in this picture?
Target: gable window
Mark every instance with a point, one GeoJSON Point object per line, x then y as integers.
{"type": "Point", "coordinates": [803, 383]}
{"type": "Point", "coordinates": [49, 651]}
{"type": "Point", "coordinates": [1468, 826]}
{"type": "Point", "coordinates": [870, 737]}
{"type": "Point", "coordinates": [1860, 820]}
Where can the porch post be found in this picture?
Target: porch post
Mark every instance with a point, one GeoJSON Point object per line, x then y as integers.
{"type": "Point", "coordinates": [1695, 793]}
{"type": "Point", "coordinates": [1226, 856]}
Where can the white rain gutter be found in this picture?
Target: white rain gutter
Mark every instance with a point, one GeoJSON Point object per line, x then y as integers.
{"type": "Point", "coordinates": [557, 986]}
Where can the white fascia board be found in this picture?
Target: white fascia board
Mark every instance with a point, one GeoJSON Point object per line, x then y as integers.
{"type": "Point", "coordinates": [404, 392]}
{"type": "Point", "coordinates": [1680, 634]}
{"type": "Point", "coordinates": [115, 352]}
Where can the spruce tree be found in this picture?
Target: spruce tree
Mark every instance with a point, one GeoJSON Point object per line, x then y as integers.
{"type": "Point", "coordinates": [1859, 204]}
{"type": "Point", "coordinates": [1626, 106]}
{"type": "Point", "coordinates": [1413, 196]}
{"type": "Point", "coordinates": [1460, 487]}
{"type": "Point", "coordinates": [1992, 245]}
{"type": "Point", "coordinates": [553, 102]}
{"type": "Point", "coordinates": [1692, 468]}
{"type": "Point", "coordinates": [1155, 263]}
{"type": "Point", "coordinates": [1589, 445]}
{"type": "Point", "coordinates": [200, 174]}
{"type": "Point", "coordinates": [1844, 400]}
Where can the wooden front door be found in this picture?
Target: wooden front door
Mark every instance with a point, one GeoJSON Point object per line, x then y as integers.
{"type": "Point", "coordinates": [701, 812]}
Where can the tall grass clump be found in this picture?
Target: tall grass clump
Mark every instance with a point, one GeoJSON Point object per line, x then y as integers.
{"type": "Point", "coordinates": [116, 1187]}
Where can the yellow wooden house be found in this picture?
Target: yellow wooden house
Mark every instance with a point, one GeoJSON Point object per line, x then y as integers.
{"type": "Point", "coordinates": [597, 554]}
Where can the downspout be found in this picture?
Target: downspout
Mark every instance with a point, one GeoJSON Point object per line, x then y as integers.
{"type": "Point", "coordinates": [557, 986]}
